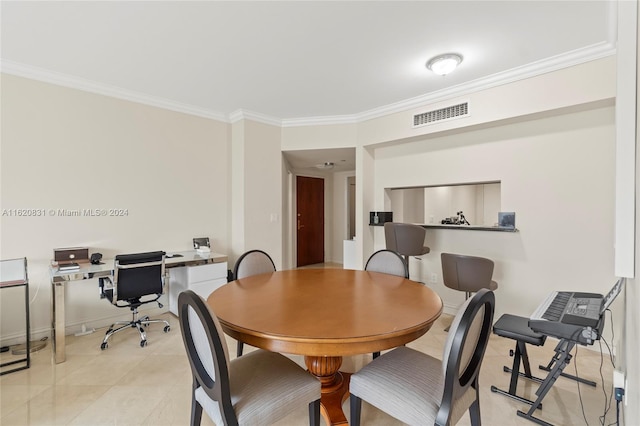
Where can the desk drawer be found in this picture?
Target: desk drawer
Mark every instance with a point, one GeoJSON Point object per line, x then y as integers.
{"type": "Point", "coordinates": [206, 272]}
{"type": "Point", "coordinates": [204, 289]}
{"type": "Point", "coordinates": [202, 279]}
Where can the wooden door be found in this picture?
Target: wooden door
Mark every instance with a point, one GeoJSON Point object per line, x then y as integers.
{"type": "Point", "coordinates": [310, 220]}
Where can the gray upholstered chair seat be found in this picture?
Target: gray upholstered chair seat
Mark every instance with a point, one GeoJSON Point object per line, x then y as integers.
{"type": "Point", "coordinates": [398, 383]}
{"type": "Point", "coordinates": [265, 387]}
{"type": "Point", "coordinates": [407, 385]}
{"type": "Point", "coordinates": [418, 389]}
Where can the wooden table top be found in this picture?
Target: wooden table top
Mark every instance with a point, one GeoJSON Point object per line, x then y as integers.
{"type": "Point", "coordinates": [325, 312]}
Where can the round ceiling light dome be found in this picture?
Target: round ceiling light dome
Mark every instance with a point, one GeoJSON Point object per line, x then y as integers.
{"type": "Point", "coordinates": [444, 64]}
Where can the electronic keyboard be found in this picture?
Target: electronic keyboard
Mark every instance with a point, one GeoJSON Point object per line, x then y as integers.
{"type": "Point", "coordinates": [573, 315]}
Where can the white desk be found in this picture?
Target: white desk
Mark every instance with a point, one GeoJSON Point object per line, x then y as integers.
{"type": "Point", "coordinates": [88, 271]}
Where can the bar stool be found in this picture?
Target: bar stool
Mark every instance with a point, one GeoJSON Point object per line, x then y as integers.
{"type": "Point", "coordinates": [467, 273]}
{"type": "Point", "coordinates": [406, 239]}
{"type": "Point", "coordinates": [517, 328]}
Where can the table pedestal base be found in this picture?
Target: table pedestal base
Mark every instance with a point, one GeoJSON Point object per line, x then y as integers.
{"type": "Point", "coordinates": [335, 386]}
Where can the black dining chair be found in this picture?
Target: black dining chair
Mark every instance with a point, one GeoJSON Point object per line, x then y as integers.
{"type": "Point", "coordinates": [259, 388]}
{"type": "Point", "coordinates": [417, 388]}
{"type": "Point", "coordinates": [387, 262]}
{"type": "Point", "coordinates": [253, 262]}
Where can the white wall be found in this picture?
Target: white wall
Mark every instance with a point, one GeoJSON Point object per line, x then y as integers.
{"type": "Point", "coordinates": [339, 215]}
{"type": "Point", "coordinates": [68, 149]}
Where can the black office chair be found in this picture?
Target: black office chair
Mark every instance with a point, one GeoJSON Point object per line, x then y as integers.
{"type": "Point", "coordinates": [253, 262]}
{"type": "Point", "coordinates": [134, 277]}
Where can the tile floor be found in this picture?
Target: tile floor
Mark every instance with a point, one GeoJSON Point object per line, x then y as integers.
{"type": "Point", "coordinates": [130, 385]}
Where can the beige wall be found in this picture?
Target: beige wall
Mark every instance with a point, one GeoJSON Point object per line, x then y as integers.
{"type": "Point", "coordinates": [565, 218]}
{"type": "Point", "coordinates": [68, 149]}
{"type": "Point", "coordinates": [262, 192]}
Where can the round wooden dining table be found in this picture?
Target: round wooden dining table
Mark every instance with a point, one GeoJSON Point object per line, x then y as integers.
{"type": "Point", "coordinates": [325, 314]}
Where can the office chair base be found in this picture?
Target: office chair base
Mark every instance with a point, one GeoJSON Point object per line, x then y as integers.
{"type": "Point", "coordinates": [134, 323]}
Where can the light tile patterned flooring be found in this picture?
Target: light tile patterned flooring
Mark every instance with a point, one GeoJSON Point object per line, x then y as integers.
{"type": "Point", "coordinates": [130, 385]}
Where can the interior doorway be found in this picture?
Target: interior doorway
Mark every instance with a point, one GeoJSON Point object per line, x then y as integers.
{"type": "Point", "coordinates": [309, 220]}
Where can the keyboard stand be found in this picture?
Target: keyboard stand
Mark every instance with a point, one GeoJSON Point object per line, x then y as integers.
{"type": "Point", "coordinates": [560, 361]}
{"type": "Point", "coordinates": [569, 376]}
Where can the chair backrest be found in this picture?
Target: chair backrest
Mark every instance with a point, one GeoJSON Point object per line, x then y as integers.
{"type": "Point", "coordinates": [463, 353]}
{"type": "Point", "coordinates": [139, 274]}
{"type": "Point", "coordinates": [387, 262]}
{"type": "Point", "coordinates": [253, 262]}
{"type": "Point", "coordinates": [466, 273]}
{"type": "Point", "coordinates": [207, 352]}
{"type": "Point", "coordinates": [405, 238]}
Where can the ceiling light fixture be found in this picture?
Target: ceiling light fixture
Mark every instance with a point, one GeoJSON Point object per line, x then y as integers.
{"type": "Point", "coordinates": [326, 165]}
{"type": "Point", "coordinates": [444, 64]}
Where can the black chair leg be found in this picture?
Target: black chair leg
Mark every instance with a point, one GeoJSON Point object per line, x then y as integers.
{"type": "Point", "coordinates": [314, 413]}
{"type": "Point", "coordinates": [239, 349]}
{"type": "Point", "coordinates": [474, 413]}
{"type": "Point", "coordinates": [355, 404]}
{"type": "Point", "coordinates": [196, 412]}
{"type": "Point", "coordinates": [376, 355]}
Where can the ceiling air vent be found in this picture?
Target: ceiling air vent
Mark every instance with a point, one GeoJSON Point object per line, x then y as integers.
{"type": "Point", "coordinates": [448, 113]}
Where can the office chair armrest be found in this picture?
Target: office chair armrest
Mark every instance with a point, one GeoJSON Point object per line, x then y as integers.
{"type": "Point", "coordinates": [105, 282]}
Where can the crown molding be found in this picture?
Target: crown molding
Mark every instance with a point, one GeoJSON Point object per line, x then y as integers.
{"type": "Point", "coordinates": [74, 82]}
{"type": "Point", "coordinates": [243, 114]}
{"type": "Point", "coordinates": [565, 60]}
{"type": "Point", "coordinates": [533, 69]}
{"type": "Point", "coordinates": [320, 121]}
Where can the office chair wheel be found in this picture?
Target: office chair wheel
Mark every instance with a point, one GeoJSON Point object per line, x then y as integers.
{"type": "Point", "coordinates": [104, 346]}
{"type": "Point", "coordinates": [143, 343]}
{"type": "Point", "coordinates": [167, 328]}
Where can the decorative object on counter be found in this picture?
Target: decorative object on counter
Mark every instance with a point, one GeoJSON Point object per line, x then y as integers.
{"type": "Point", "coordinates": [456, 220]}
{"type": "Point", "coordinates": [380, 218]}
{"type": "Point", "coordinates": [507, 219]}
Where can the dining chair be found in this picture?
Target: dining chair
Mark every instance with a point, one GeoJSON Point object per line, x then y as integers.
{"type": "Point", "coordinates": [418, 389]}
{"type": "Point", "coordinates": [259, 388]}
{"type": "Point", "coordinates": [253, 262]}
{"type": "Point", "coordinates": [387, 262]}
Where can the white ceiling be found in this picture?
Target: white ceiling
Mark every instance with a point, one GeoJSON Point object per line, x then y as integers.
{"type": "Point", "coordinates": [293, 61]}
